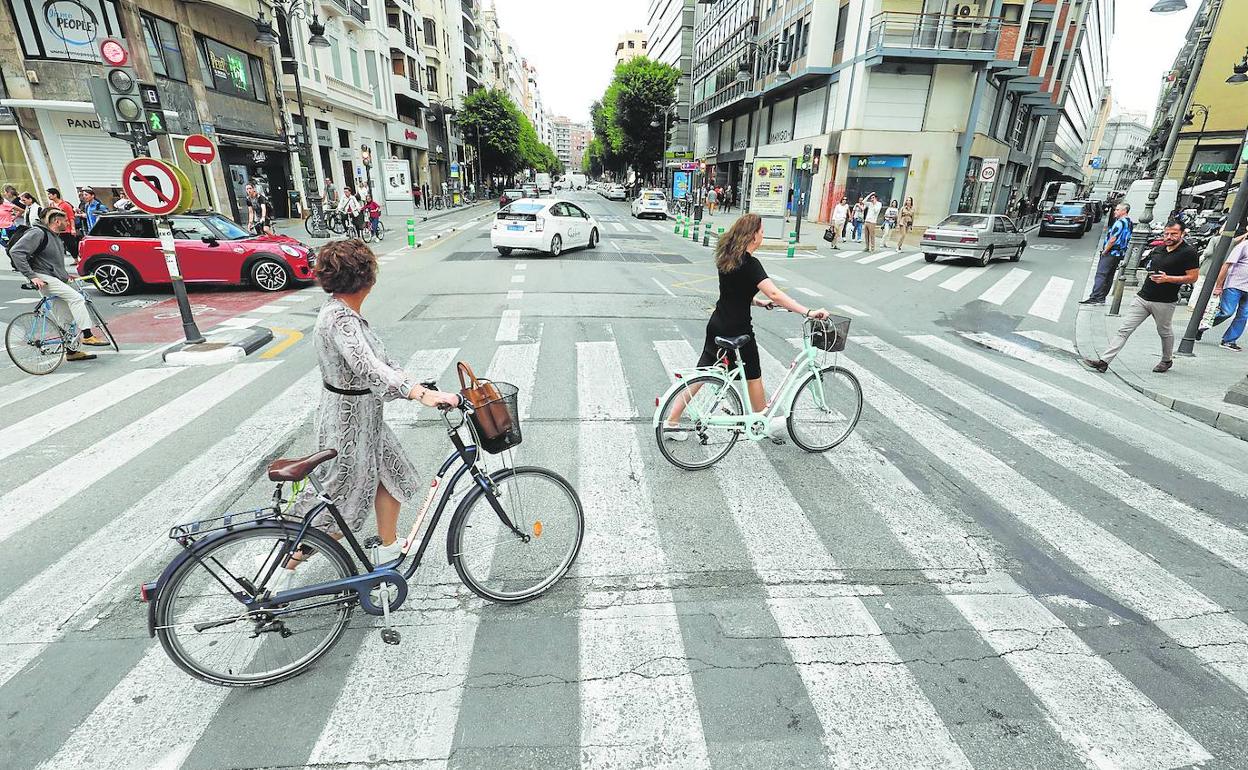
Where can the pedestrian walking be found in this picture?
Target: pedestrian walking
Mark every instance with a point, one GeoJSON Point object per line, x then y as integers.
{"type": "Point", "coordinates": [416, 195]}
{"type": "Point", "coordinates": [1232, 289]}
{"type": "Point", "coordinates": [1113, 248]}
{"type": "Point", "coordinates": [425, 196]}
{"type": "Point", "coordinates": [905, 221]}
{"type": "Point", "coordinates": [890, 220]}
{"type": "Point", "coordinates": [91, 209]}
{"type": "Point", "coordinates": [70, 236]}
{"type": "Point", "coordinates": [871, 218]}
{"type": "Point", "coordinates": [840, 215]}
{"type": "Point", "coordinates": [729, 198]}
{"type": "Point", "coordinates": [258, 212]}
{"type": "Point", "coordinates": [372, 210]}
{"type": "Point", "coordinates": [1170, 265]}
{"type": "Point", "coordinates": [859, 215]}
{"type": "Point", "coordinates": [33, 209]}
{"type": "Point", "coordinates": [11, 211]}
{"type": "Point", "coordinates": [39, 254]}
{"type": "Point", "coordinates": [711, 198]}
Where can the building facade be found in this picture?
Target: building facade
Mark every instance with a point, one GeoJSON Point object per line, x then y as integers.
{"type": "Point", "coordinates": [669, 40]}
{"type": "Point", "coordinates": [1121, 150]}
{"type": "Point", "coordinates": [630, 44]}
{"type": "Point", "coordinates": [964, 111]}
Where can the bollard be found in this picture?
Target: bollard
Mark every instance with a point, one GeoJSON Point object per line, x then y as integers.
{"type": "Point", "coordinates": [411, 232]}
{"type": "Point", "coordinates": [697, 230]}
{"type": "Point", "coordinates": [676, 229]}
{"type": "Point", "coordinates": [706, 236]}
{"type": "Point", "coordinates": [684, 232]}
{"type": "Point", "coordinates": [792, 244]}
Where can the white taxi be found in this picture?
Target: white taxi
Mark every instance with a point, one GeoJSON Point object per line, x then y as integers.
{"type": "Point", "coordinates": [651, 203]}
{"type": "Point", "coordinates": [549, 225]}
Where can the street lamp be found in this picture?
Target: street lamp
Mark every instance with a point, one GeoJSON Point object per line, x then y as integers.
{"type": "Point", "coordinates": [267, 36]}
{"type": "Point", "coordinates": [654, 123]}
{"type": "Point", "coordinates": [1169, 6]}
{"type": "Point", "coordinates": [746, 73]}
{"type": "Point", "coordinates": [1223, 247]}
{"type": "Point", "coordinates": [1188, 120]}
{"type": "Point", "coordinates": [444, 110]}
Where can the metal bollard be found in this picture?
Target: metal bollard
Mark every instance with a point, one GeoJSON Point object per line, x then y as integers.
{"type": "Point", "coordinates": [411, 232]}
{"type": "Point", "coordinates": [676, 229]}
{"type": "Point", "coordinates": [684, 232]}
{"type": "Point", "coordinates": [792, 244]}
{"type": "Point", "coordinates": [697, 230]}
{"type": "Point", "coordinates": [706, 236]}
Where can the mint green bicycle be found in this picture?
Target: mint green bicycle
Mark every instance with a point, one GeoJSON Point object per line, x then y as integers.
{"type": "Point", "coordinates": [700, 417]}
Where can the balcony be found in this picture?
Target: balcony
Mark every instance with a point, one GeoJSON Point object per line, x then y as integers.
{"type": "Point", "coordinates": [935, 37]}
{"type": "Point", "coordinates": [399, 41]}
{"type": "Point", "coordinates": [472, 71]}
{"type": "Point", "coordinates": [349, 9]}
{"type": "Point", "coordinates": [717, 102]}
{"type": "Point", "coordinates": [470, 9]}
{"type": "Point", "coordinates": [471, 42]}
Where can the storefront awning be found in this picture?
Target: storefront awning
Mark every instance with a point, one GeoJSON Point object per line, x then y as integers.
{"type": "Point", "coordinates": [1204, 187]}
{"type": "Point", "coordinates": [251, 142]}
{"type": "Point", "coordinates": [61, 106]}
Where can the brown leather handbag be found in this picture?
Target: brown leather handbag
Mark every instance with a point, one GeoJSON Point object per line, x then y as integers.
{"type": "Point", "coordinates": [491, 413]}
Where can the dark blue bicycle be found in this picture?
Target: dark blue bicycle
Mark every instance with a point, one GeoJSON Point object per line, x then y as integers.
{"type": "Point", "coordinates": [514, 534]}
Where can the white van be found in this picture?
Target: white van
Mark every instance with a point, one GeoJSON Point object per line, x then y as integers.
{"type": "Point", "coordinates": [1137, 197]}
{"type": "Point", "coordinates": [543, 183]}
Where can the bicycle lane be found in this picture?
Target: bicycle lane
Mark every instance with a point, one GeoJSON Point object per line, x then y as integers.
{"type": "Point", "coordinates": [161, 322]}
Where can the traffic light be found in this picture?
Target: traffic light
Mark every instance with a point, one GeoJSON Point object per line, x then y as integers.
{"type": "Point", "coordinates": [154, 114]}
{"type": "Point", "coordinates": [123, 91]}
{"type": "Point", "coordinates": [103, 101]}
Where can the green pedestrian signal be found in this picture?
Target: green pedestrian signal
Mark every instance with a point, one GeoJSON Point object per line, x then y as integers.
{"type": "Point", "coordinates": [156, 122]}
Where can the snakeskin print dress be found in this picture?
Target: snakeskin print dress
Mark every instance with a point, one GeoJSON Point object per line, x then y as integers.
{"type": "Point", "coordinates": [351, 357]}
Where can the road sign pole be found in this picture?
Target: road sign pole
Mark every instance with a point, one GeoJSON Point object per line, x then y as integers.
{"type": "Point", "coordinates": [189, 329]}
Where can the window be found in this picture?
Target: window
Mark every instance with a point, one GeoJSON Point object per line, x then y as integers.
{"type": "Point", "coordinates": [190, 229]}
{"type": "Point", "coordinates": [842, 21]}
{"type": "Point", "coordinates": [230, 71]}
{"type": "Point", "coordinates": [163, 48]}
{"type": "Point", "coordinates": [354, 57]}
{"type": "Point", "coordinates": [431, 33]}
{"type": "Point", "coordinates": [124, 227]}
{"type": "Point", "coordinates": [431, 78]}
{"type": "Point", "coordinates": [335, 57]}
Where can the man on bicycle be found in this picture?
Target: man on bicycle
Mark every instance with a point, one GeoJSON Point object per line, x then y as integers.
{"type": "Point", "coordinates": [350, 207]}
{"type": "Point", "coordinates": [39, 254]}
{"type": "Point", "coordinates": [259, 216]}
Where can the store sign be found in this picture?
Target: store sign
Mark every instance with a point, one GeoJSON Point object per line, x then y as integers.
{"type": "Point", "coordinates": [769, 187]}
{"type": "Point", "coordinates": [398, 180]}
{"type": "Point", "coordinates": [231, 69]}
{"type": "Point", "coordinates": [407, 135]}
{"type": "Point", "coordinates": [1215, 168]}
{"type": "Point", "coordinates": [878, 161]}
{"type": "Point", "coordinates": [68, 30]}
{"type": "Point", "coordinates": [323, 137]}
{"type": "Point", "coordinates": [741, 143]}
{"type": "Point", "coordinates": [345, 153]}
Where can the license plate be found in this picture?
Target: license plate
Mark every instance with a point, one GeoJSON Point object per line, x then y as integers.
{"type": "Point", "coordinates": [515, 227]}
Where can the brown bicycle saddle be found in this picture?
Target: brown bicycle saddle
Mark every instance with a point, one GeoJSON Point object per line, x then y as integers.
{"type": "Point", "coordinates": [299, 467]}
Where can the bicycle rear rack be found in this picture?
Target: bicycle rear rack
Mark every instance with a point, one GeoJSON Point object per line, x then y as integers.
{"type": "Point", "coordinates": [187, 534]}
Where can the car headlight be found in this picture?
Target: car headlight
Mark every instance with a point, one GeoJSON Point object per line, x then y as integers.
{"type": "Point", "coordinates": [291, 251]}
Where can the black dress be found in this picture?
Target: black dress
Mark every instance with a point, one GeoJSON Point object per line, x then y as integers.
{"type": "Point", "coordinates": [732, 315]}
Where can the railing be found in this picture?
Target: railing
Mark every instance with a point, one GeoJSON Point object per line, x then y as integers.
{"type": "Point", "coordinates": [354, 8]}
{"type": "Point", "coordinates": [470, 8]}
{"type": "Point", "coordinates": [934, 32]}
{"type": "Point", "coordinates": [728, 93]}
{"type": "Point", "coordinates": [413, 82]}
{"type": "Point", "coordinates": [472, 70]}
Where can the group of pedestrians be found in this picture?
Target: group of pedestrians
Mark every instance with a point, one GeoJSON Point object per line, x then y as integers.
{"type": "Point", "coordinates": [862, 221]}
{"type": "Point", "coordinates": [19, 211]}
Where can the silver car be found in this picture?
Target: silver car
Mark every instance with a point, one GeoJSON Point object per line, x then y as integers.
{"type": "Point", "coordinates": [981, 237]}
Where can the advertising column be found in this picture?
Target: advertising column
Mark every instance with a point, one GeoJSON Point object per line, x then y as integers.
{"type": "Point", "coordinates": [769, 193]}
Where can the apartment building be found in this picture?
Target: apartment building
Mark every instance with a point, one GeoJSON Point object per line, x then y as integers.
{"type": "Point", "coordinates": [569, 140]}
{"type": "Point", "coordinates": [1206, 159]}
{"type": "Point", "coordinates": [406, 165]}
{"type": "Point", "coordinates": [963, 111]}
{"type": "Point", "coordinates": [630, 44]}
{"type": "Point", "coordinates": [1122, 148]}
{"type": "Point", "coordinates": [669, 40]}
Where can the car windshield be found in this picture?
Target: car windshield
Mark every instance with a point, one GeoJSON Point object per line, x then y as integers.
{"type": "Point", "coordinates": [525, 208]}
{"type": "Point", "coordinates": [229, 229]}
{"type": "Point", "coordinates": [972, 221]}
{"type": "Point", "coordinates": [654, 196]}
{"type": "Point", "coordinates": [1070, 209]}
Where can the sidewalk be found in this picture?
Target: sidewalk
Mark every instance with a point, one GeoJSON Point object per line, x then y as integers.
{"type": "Point", "coordinates": [1211, 387]}
{"type": "Point", "coordinates": [396, 224]}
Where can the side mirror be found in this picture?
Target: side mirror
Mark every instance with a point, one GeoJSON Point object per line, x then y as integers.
{"type": "Point", "coordinates": [210, 240]}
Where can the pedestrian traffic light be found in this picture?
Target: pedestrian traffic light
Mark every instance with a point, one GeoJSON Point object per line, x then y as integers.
{"type": "Point", "coordinates": [154, 114]}
{"type": "Point", "coordinates": [123, 90]}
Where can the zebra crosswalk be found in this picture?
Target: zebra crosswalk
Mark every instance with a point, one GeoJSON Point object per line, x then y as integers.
{"type": "Point", "coordinates": [1008, 564]}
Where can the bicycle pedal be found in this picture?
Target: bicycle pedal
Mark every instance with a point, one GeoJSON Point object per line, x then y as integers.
{"type": "Point", "coordinates": [390, 636]}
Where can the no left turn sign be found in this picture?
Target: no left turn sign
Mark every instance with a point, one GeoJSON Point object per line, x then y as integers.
{"type": "Point", "coordinates": [152, 186]}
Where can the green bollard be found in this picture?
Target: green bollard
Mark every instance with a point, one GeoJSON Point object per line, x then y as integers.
{"type": "Point", "coordinates": [684, 232]}
{"type": "Point", "coordinates": [792, 244]}
{"type": "Point", "coordinates": [411, 232]}
{"type": "Point", "coordinates": [697, 230]}
{"type": "Point", "coordinates": [676, 229]}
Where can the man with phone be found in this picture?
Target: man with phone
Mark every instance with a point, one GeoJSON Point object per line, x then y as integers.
{"type": "Point", "coordinates": [1170, 265]}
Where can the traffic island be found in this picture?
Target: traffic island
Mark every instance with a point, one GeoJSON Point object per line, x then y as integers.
{"type": "Point", "coordinates": [224, 345]}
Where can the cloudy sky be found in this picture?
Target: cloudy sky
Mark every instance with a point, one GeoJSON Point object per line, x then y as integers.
{"type": "Point", "coordinates": [1144, 47]}
{"type": "Point", "coordinates": [572, 44]}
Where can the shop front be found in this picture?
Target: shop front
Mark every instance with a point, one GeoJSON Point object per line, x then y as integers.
{"type": "Point", "coordinates": [407, 144]}
{"type": "Point", "coordinates": [884, 175]}
{"type": "Point", "coordinates": [266, 164]}
{"type": "Point", "coordinates": [82, 155]}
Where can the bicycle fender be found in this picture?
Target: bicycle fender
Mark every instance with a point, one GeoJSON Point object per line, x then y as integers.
{"type": "Point", "coordinates": [681, 376]}
{"type": "Point", "coordinates": [461, 510]}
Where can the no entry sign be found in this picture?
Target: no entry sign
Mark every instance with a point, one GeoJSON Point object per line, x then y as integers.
{"type": "Point", "coordinates": [200, 149]}
{"type": "Point", "coordinates": [152, 186]}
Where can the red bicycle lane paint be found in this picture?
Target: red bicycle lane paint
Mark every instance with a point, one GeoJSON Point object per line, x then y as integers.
{"type": "Point", "coordinates": [161, 322]}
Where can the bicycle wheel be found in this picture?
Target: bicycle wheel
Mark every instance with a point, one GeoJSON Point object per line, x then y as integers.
{"type": "Point", "coordinates": [502, 566]}
{"type": "Point", "coordinates": [380, 235]}
{"type": "Point", "coordinates": [315, 226]}
{"type": "Point", "coordinates": [688, 441]}
{"type": "Point", "coordinates": [98, 323]}
{"type": "Point", "coordinates": [825, 410]}
{"type": "Point", "coordinates": [366, 234]}
{"type": "Point", "coordinates": [208, 632]}
{"type": "Point", "coordinates": [338, 224]}
{"type": "Point", "coordinates": [35, 343]}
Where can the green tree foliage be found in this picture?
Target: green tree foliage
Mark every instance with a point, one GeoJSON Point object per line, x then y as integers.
{"type": "Point", "coordinates": [492, 117]}
{"type": "Point", "coordinates": [640, 90]}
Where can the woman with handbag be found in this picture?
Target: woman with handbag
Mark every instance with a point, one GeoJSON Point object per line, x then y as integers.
{"type": "Point", "coordinates": [840, 213]}
{"type": "Point", "coordinates": [358, 378]}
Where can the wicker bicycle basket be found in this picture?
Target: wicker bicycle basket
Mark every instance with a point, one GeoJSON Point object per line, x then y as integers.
{"type": "Point", "coordinates": [497, 421]}
{"type": "Point", "coordinates": [830, 334]}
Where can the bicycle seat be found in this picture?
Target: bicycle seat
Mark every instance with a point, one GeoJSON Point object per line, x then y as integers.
{"type": "Point", "coordinates": [299, 468]}
{"type": "Point", "coordinates": [732, 343]}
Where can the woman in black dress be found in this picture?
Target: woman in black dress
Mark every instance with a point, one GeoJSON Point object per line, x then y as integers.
{"type": "Point", "coordinates": [741, 277]}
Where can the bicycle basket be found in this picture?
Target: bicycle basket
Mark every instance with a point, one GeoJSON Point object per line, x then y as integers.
{"type": "Point", "coordinates": [497, 421]}
{"type": "Point", "coordinates": [830, 335]}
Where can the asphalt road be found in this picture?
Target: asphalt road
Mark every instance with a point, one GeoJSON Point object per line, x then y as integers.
{"type": "Point", "coordinates": [1011, 564]}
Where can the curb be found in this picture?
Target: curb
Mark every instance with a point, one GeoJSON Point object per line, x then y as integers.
{"type": "Point", "coordinates": [1230, 424]}
{"type": "Point", "coordinates": [438, 236]}
{"type": "Point", "coordinates": [215, 353]}
{"type": "Point", "coordinates": [446, 212]}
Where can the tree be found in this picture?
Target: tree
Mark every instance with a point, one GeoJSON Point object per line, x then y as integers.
{"type": "Point", "coordinates": [640, 90]}
{"type": "Point", "coordinates": [492, 118]}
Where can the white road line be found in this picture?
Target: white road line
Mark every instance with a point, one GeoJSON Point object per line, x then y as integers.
{"type": "Point", "coordinates": [23, 389]}
{"type": "Point", "coordinates": [619, 227]}
{"type": "Point", "coordinates": [515, 294]}
{"type": "Point", "coordinates": [1000, 291]}
{"type": "Point", "coordinates": [1227, 543]}
{"type": "Point", "coordinates": [874, 714]}
{"type": "Point", "coordinates": [508, 326]}
{"type": "Point", "coordinates": [1199, 464]}
{"type": "Point", "coordinates": [517, 364]}
{"type": "Point", "coordinates": [423, 365]}
{"type": "Point", "coordinates": [875, 256]}
{"type": "Point", "coordinates": [636, 694]}
{"type": "Point", "coordinates": [522, 265]}
{"type": "Point", "coordinates": [1210, 632]}
{"type": "Point", "coordinates": [1052, 300]}
{"type": "Point", "coordinates": [808, 292]}
{"type": "Point", "coordinates": [517, 279]}
{"type": "Point", "coordinates": [83, 575]}
{"type": "Point", "coordinates": [925, 272]}
{"type": "Point", "coordinates": [54, 487]}
{"type": "Point", "coordinates": [661, 286]}
{"type": "Point", "coordinates": [851, 310]}
{"type": "Point", "coordinates": [846, 254]}
{"type": "Point", "coordinates": [961, 278]}
{"type": "Point", "coordinates": [239, 321]}
{"type": "Point", "coordinates": [67, 414]}
{"type": "Point", "coordinates": [776, 276]}
{"type": "Point", "coordinates": [150, 353]}
{"type": "Point", "coordinates": [24, 300]}
{"type": "Point", "coordinates": [270, 309]}
{"type": "Point", "coordinates": [909, 259]}
{"type": "Point", "coordinates": [639, 227]}
{"type": "Point", "coordinates": [1063, 367]}
{"type": "Point", "coordinates": [1052, 340]}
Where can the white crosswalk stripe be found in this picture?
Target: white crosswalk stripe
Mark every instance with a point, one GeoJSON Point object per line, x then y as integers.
{"type": "Point", "coordinates": [1052, 299]}
{"type": "Point", "coordinates": [619, 227]}
{"type": "Point", "coordinates": [960, 279]}
{"type": "Point", "coordinates": [1000, 291]}
{"type": "Point", "coordinates": [925, 272]}
{"type": "Point", "coordinates": [905, 261]}
{"type": "Point", "coordinates": [1050, 339]}
{"type": "Point", "coordinates": [875, 256]}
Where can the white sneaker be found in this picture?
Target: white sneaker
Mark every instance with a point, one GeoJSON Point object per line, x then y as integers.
{"type": "Point", "coordinates": [384, 554]}
{"type": "Point", "coordinates": [280, 579]}
{"type": "Point", "coordinates": [675, 433]}
{"type": "Point", "coordinates": [778, 429]}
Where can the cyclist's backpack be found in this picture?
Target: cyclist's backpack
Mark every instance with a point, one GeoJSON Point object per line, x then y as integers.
{"type": "Point", "coordinates": [16, 233]}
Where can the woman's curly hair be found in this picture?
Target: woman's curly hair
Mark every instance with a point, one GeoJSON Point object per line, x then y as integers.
{"type": "Point", "coordinates": [346, 266]}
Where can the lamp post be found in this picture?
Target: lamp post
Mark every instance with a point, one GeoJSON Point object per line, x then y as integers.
{"type": "Point", "coordinates": [445, 107]}
{"type": "Point", "coordinates": [1142, 232]}
{"type": "Point", "coordinates": [1188, 120]}
{"type": "Point", "coordinates": [292, 9]}
{"type": "Point", "coordinates": [667, 111]}
{"type": "Point", "coordinates": [746, 74]}
{"type": "Point", "coordinates": [1238, 209]}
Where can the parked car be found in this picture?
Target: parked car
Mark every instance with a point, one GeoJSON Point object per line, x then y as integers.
{"type": "Point", "coordinates": [1066, 218]}
{"type": "Point", "coordinates": [651, 203]}
{"type": "Point", "coordinates": [510, 196]}
{"type": "Point", "coordinates": [615, 192]}
{"type": "Point", "coordinates": [982, 237]}
{"type": "Point", "coordinates": [124, 253]}
{"type": "Point", "coordinates": [544, 225]}
{"type": "Point", "coordinates": [1091, 210]}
